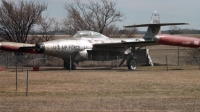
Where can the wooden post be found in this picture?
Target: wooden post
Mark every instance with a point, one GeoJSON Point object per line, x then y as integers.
{"type": "Point", "coordinates": [117, 62]}
{"type": "Point", "coordinates": [70, 64]}
{"type": "Point", "coordinates": [16, 77]}
{"type": "Point", "coordinates": [6, 61]}
{"type": "Point", "coordinates": [33, 62]}
{"type": "Point", "coordinates": [178, 54]}
{"type": "Point", "coordinates": [199, 63]}
{"type": "Point", "coordinates": [167, 62]}
{"type": "Point", "coordinates": [27, 84]}
{"type": "Point", "coordinates": [45, 59]}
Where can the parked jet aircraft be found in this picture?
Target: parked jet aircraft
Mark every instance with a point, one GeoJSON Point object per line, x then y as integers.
{"type": "Point", "coordinates": [90, 45]}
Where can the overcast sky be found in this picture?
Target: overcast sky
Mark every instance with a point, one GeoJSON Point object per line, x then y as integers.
{"type": "Point", "coordinates": [140, 11]}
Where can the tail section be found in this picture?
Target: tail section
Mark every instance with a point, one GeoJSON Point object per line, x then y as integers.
{"type": "Point", "coordinates": [154, 26]}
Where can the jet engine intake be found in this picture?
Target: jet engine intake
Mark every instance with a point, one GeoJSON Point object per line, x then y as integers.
{"type": "Point", "coordinates": [40, 48]}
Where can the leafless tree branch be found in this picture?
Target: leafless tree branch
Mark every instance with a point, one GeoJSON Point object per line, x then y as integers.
{"type": "Point", "coordinates": [95, 16]}
{"type": "Point", "coordinates": [16, 20]}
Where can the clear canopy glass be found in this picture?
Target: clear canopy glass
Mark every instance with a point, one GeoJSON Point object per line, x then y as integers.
{"type": "Point", "coordinates": [88, 34]}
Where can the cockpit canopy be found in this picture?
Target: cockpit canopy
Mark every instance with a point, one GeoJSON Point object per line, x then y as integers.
{"type": "Point", "coordinates": [88, 34]}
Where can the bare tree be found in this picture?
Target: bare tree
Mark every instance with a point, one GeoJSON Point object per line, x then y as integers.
{"type": "Point", "coordinates": [194, 56]}
{"type": "Point", "coordinates": [114, 32]}
{"type": "Point", "coordinates": [95, 16]}
{"type": "Point", "coordinates": [189, 31]}
{"type": "Point", "coordinates": [174, 30]}
{"type": "Point", "coordinates": [130, 32]}
{"type": "Point", "coordinates": [16, 20]}
{"type": "Point", "coordinates": [46, 29]}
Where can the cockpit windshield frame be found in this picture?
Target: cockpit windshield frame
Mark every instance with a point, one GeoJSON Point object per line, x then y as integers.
{"type": "Point", "coordinates": [88, 34]}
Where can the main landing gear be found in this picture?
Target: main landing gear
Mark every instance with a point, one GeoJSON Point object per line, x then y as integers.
{"type": "Point", "coordinates": [131, 60]}
{"type": "Point", "coordinates": [69, 65]}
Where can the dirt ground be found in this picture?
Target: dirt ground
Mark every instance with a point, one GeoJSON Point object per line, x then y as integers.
{"type": "Point", "coordinates": [102, 89]}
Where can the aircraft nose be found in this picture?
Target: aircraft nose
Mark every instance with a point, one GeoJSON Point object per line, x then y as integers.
{"type": "Point", "coordinates": [40, 47]}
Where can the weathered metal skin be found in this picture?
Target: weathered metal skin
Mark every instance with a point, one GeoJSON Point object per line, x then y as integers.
{"type": "Point", "coordinates": [79, 47]}
{"type": "Point", "coordinates": [64, 48]}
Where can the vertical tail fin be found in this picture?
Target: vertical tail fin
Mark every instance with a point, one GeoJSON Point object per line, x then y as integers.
{"type": "Point", "coordinates": [153, 28]}
{"type": "Point", "coordinates": [155, 18]}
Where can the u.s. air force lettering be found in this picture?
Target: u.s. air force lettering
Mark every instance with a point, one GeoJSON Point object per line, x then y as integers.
{"type": "Point", "coordinates": [66, 47]}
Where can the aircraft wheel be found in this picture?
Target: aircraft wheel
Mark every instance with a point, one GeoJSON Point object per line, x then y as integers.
{"type": "Point", "coordinates": [132, 64]}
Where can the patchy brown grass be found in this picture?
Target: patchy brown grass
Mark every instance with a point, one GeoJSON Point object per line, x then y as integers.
{"type": "Point", "coordinates": [105, 89]}
{"type": "Point", "coordinates": [100, 89]}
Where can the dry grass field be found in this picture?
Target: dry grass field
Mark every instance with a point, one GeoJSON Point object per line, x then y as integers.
{"type": "Point", "coordinates": [102, 89]}
{"type": "Point", "coordinates": [105, 89]}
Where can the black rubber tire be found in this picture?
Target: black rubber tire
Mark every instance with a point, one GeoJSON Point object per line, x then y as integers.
{"type": "Point", "coordinates": [132, 64]}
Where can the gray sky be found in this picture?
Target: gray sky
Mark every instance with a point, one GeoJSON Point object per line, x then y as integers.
{"type": "Point", "coordinates": [140, 11]}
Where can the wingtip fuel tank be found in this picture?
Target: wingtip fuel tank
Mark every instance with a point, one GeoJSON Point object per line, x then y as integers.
{"type": "Point", "coordinates": [17, 47]}
{"type": "Point", "coordinates": [177, 40]}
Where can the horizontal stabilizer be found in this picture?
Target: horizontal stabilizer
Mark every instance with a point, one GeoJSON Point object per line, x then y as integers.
{"type": "Point", "coordinates": [159, 24]}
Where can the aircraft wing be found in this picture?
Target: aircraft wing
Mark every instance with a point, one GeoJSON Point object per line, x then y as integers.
{"type": "Point", "coordinates": [124, 44]}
